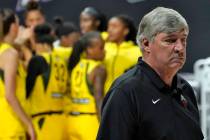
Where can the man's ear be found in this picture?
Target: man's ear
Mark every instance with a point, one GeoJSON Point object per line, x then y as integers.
{"type": "Point", "coordinates": [145, 43]}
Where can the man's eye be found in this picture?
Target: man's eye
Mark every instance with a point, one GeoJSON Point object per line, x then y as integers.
{"type": "Point", "coordinates": [184, 40]}
{"type": "Point", "coordinates": [170, 40]}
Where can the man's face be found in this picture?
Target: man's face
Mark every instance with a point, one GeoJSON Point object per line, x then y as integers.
{"type": "Point", "coordinates": [169, 50]}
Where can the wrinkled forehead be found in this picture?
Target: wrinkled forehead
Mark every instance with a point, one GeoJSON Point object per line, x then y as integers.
{"type": "Point", "coordinates": [170, 30]}
{"type": "Point", "coordinates": [177, 33]}
{"type": "Point", "coordinates": [181, 32]}
{"type": "Point", "coordinates": [174, 35]}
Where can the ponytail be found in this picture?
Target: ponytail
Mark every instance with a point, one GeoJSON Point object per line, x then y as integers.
{"type": "Point", "coordinates": [80, 46]}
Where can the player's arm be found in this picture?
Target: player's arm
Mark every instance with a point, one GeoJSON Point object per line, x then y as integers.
{"type": "Point", "coordinates": [10, 71]}
{"type": "Point", "coordinates": [98, 83]}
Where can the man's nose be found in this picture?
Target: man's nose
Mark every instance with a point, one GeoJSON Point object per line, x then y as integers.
{"type": "Point", "coordinates": [179, 45]}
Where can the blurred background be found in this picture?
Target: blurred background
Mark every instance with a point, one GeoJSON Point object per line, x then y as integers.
{"type": "Point", "coordinates": [195, 12]}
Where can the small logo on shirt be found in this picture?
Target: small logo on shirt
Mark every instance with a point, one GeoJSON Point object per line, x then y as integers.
{"type": "Point", "coordinates": [155, 101]}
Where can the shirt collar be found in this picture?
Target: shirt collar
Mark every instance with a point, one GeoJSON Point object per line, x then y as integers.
{"type": "Point", "coordinates": [155, 78]}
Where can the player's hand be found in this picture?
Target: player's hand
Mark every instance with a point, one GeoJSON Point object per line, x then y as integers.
{"type": "Point", "coordinates": [23, 35]}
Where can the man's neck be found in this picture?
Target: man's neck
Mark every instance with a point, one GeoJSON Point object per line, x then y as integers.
{"type": "Point", "coordinates": [165, 74]}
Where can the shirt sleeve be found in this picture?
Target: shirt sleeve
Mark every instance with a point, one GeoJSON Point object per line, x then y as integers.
{"type": "Point", "coordinates": [36, 66]}
{"type": "Point", "coordinates": [118, 117]}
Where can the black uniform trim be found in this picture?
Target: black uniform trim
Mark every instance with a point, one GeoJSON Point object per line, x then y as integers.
{"type": "Point", "coordinates": [37, 66]}
{"type": "Point", "coordinates": [46, 74]}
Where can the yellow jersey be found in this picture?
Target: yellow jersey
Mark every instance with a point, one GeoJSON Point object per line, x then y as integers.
{"type": "Point", "coordinates": [104, 35]}
{"type": "Point", "coordinates": [82, 98]}
{"type": "Point", "coordinates": [20, 86]}
{"type": "Point", "coordinates": [118, 59]}
{"type": "Point", "coordinates": [9, 120]}
{"type": "Point", "coordinates": [63, 52]}
{"type": "Point", "coordinates": [50, 87]}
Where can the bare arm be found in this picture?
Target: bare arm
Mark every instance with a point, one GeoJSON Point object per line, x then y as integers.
{"type": "Point", "coordinates": [10, 71]}
{"type": "Point", "coordinates": [98, 84]}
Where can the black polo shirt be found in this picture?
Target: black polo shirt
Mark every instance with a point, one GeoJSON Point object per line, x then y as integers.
{"type": "Point", "coordinates": [140, 106]}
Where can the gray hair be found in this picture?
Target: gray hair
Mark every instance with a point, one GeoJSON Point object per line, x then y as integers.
{"type": "Point", "coordinates": [160, 20]}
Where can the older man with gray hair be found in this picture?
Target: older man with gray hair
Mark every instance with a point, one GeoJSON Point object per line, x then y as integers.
{"type": "Point", "coordinates": [150, 101]}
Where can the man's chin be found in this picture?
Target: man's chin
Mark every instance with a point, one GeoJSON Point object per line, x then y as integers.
{"type": "Point", "coordinates": [177, 65]}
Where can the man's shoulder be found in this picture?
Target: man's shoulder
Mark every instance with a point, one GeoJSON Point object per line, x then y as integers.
{"type": "Point", "coordinates": [128, 82]}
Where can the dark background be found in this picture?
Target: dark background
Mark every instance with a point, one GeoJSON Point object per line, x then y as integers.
{"type": "Point", "coordinates": [197, 14]}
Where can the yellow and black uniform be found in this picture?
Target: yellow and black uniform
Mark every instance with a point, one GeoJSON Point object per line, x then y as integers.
{"type": "Point", "coordinates": [119, 59]}
{"type": "Point", "coordinates": [63, 52]}
{"type": "Point", "coordinates": [20, 87]}
{"type": "Point", "coordinates": [10, 126]}
{"type": "Point", "coordinates": [82, 120]}
{"type": "Point", "coordinates": [46, 87]}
